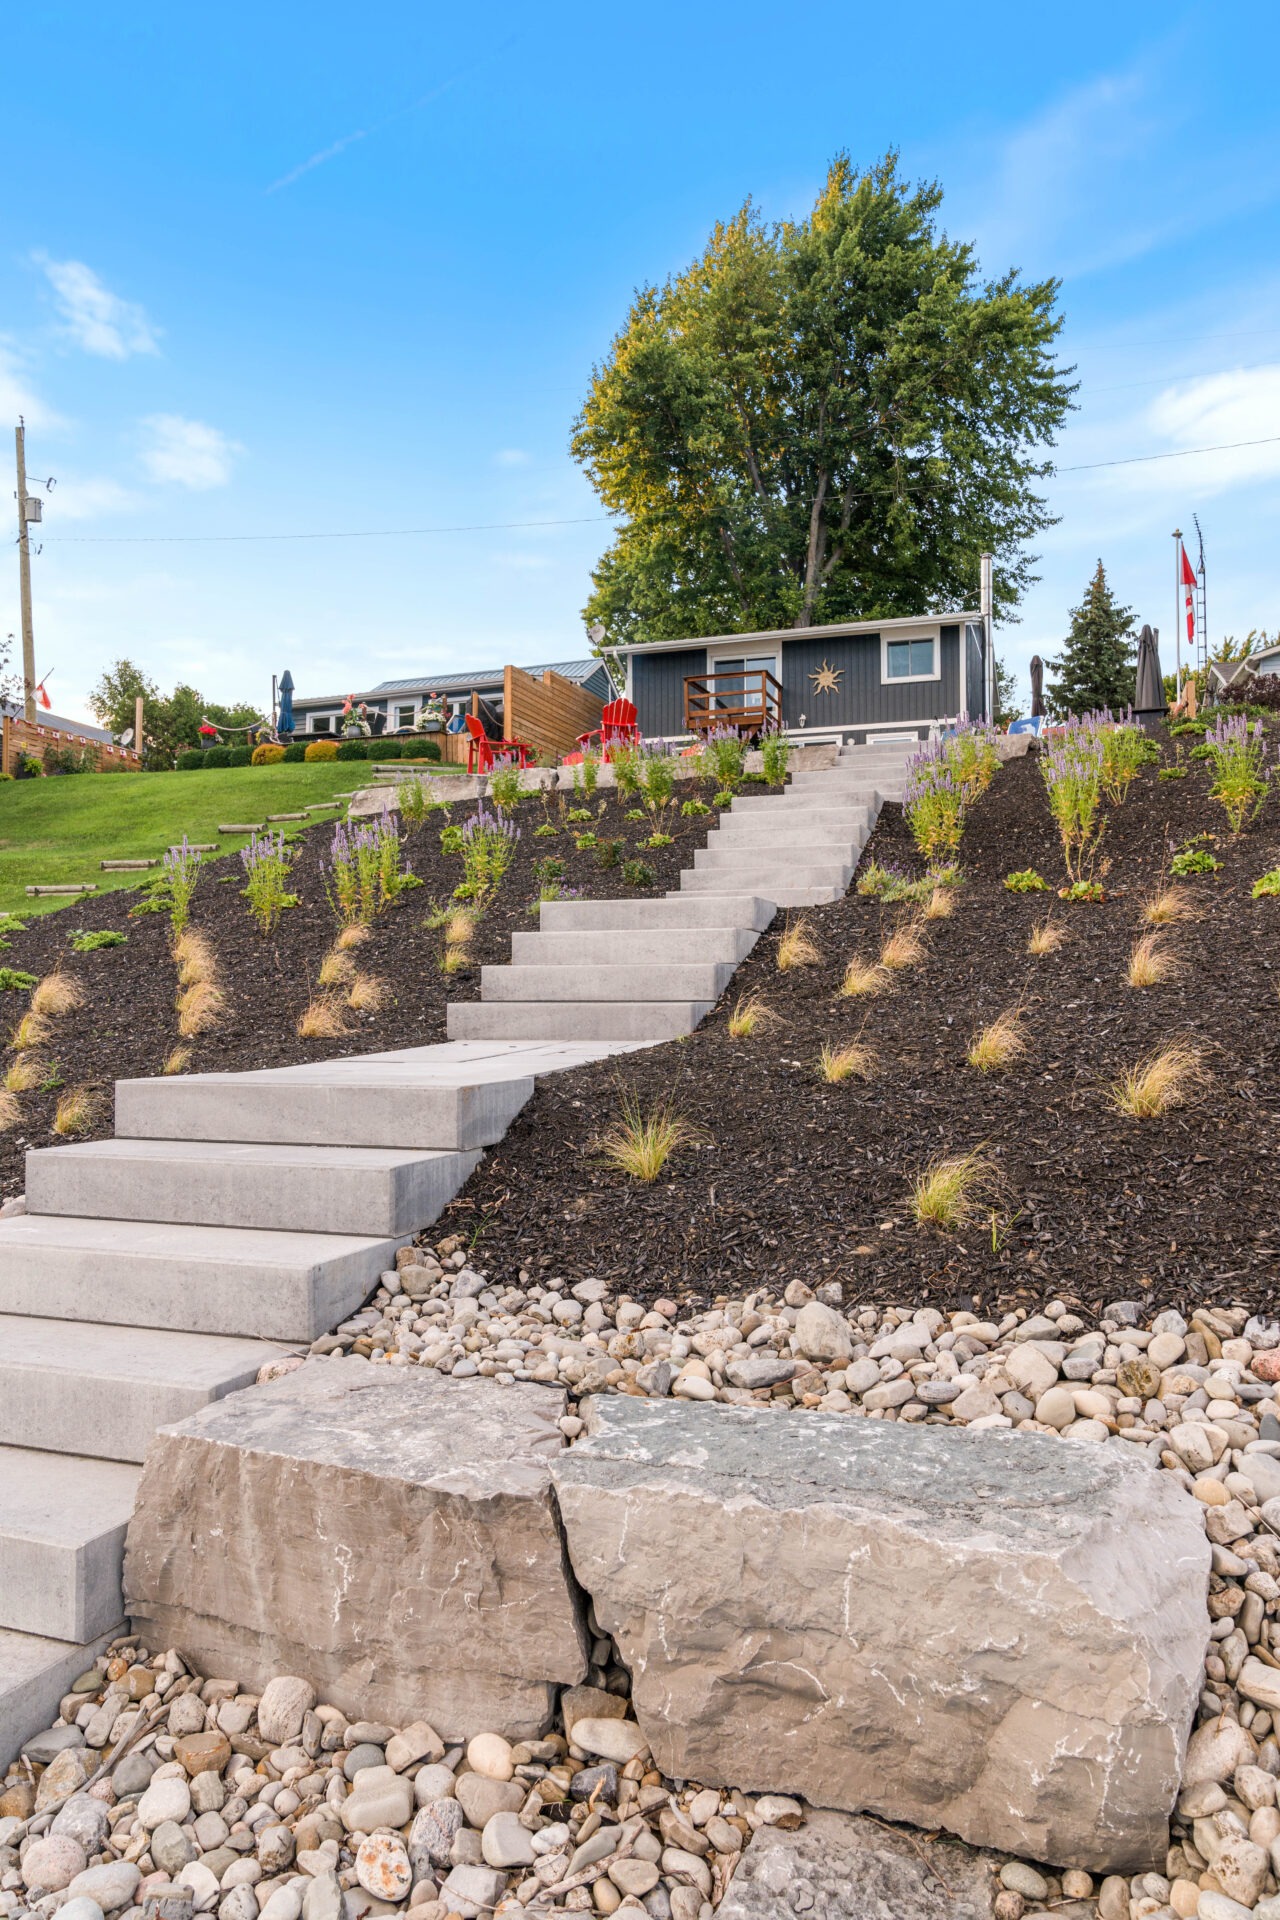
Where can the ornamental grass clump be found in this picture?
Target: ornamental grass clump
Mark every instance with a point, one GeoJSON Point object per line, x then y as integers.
{"type": "Point", "coordinates": [1072, 769]}
{"type": "Point", "coordinates": [750, 1016]}
{"type": "Point", "coordinates": [364, 874]}
{"type": "Point", "coordinates": [57, 994]}
{"type": "Point", "coordinates": [76, 1112]}
{"type": "Point", "coordinates": [1170, 904]}
{"type": "Point", "coordinates": [1150, 964]}
{"type": "Point", "coordinates": [905, 947]}
{"type": "Point", "coordinates": [266, 867]}
{"type": "Point", "coordinates": [180, 877]}
{"type": "Point", "coordinates": [852, 1061]}
{"type": "Point", "coordinates": [940, 905]}
{"type": "Point", "coordinates": [177, 1060]}
{"type": "Point", "coordinates": [933, 803]}
{"type": "Point", "coordinates": [10, 1109]}
{"type": "Point", "coordinates": [367, 994]}
{"type": "Point", "coordinates": [954, 1190]}
{"type": "Point", "coordinates": [25, 1074]}
{"type": "Point", "coordinates": [30, 1032]}
{"type": "Point", "coordinates": [1164, 1079]}
{"type": "Point", "coordinates": [1045, 937]}
{"type": "Point", "coordinates": [1239, 753]}
{"type": "Point", "coordinates": [322, 1018]}
{"type": "Point", "coordinates": [641, 1142]}
{"type": "Point", "coordinates": [797, 946]}
{"type": "Point", "coordinates": [199, 1007]}
{"type": "Point", "coordinates": [193, 957]}
{"type": "Point", "coordinates": [863, 977]}
{"type": "Point", "coordinates": [999, 1045]}
{"type": "Point", "coordinates": [337, 969]}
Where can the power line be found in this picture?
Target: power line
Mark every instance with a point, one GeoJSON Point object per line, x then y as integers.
{"type": "Point", "coordinates": [1179, 453]}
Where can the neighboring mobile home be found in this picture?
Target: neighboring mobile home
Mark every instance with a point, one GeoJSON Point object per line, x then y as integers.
{"type": "Point", "coordinates": [467, 691]}
{"type": "Point", "coordinates": [852, 680]}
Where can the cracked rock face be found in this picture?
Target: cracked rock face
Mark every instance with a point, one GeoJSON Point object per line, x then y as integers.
{"type": "Point", "coordinates": [838, 1866]}
{"type": "Point", "coordinates": [999, 1635]}
{"type": "Point", "coordinates": [389, 1534]}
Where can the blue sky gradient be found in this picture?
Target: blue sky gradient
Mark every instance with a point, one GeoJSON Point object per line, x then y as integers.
{"type": "Point", "coordinates": [294, 270]}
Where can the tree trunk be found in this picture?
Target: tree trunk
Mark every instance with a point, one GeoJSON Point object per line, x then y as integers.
{"type": "Point", "coordinates": [813, 563]}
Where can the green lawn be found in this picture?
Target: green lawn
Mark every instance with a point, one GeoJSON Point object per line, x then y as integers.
{"type": "Point", "coordinates": [58, 830]}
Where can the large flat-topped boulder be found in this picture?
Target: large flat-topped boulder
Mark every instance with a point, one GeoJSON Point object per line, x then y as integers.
{"type": "Point", "coordinates": [390, 1535]}
{"type": "Point", "coordinates": [996, 1633]}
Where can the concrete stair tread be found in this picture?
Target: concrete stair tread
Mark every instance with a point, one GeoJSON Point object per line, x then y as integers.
{"type": "Point", "coordinates": [673, 912]}
{"type": "Point", "coordinates": [634, 946]}
{"type": "Point", "coordinates": [35, 1672]}
{"type": "Point", "coordinates": [83, 1350]}
{"type": "Point", "coordinates": [257, 1153]}
{"type": "Point", "coordinates": [644, 1022]}
{"type": "Point", "coordinates": [62, 1527]}
{"type": "Point", "coordinates": [263, 1284]}
{"type": "Point", "coordinates": [704, 980]}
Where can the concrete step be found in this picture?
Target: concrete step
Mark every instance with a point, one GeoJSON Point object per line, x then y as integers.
{"type": "Point", "coordinates": [768, 858]}
{"type": "Point", "coordinates": [807, 800]}
{"type": "Point", "coordinates": [292, 1189]}
{"type": "Point", "coordinates": [644, 1021]}
{"type": "Point", "coordinates": [613, 983]}
{"type": "Point", "coordinates": [62, 1528]}
{"type": "Point", "coordinates": [66, 1385]}
{"type": "Point", "coordinates": [35, 1672]}
{"type": "Point", "coordinates": [789, 876]}
{"type": "Point", "coordinates": [387, 1104]}
{"type": "Point", "coordinates": [271, 1286]}
{"type": "Point", "coordinates": [672, 912]}
{"type": "Point", "coordinates": [633, 946]}
{"type": "Point", "coordinates": [818, 823]}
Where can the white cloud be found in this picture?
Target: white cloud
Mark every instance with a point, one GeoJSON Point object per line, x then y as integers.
{"type": "Point", "coordinates": [512, 457]}
{"type": "Point", "coordinates": [1218, 410]}
{"type": "Point", "coordinates": [89, 499]}
{"type": "Point", "coordinates": [96, 319]}
{"type": "Point", "coordinates": [187, 452]}
{"type": "Point", "coordinates": [16, 397]}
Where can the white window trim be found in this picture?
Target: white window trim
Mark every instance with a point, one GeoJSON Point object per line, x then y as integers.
{"type": "Point", "coordinates": [739, 650]}
{"type": "Point", "coordinates": [330, 720]}
{"type": "Point", "coordinates": [404, 706]}
{"type": "Point", "coordinates": [910, 679]}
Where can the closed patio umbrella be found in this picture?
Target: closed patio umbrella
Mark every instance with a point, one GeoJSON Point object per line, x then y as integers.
{"type": "Point", "coordinates": [1149, 703]}
{"type": "Point", "coordinates": [1037, 687]}
{"type": "Point", "coordinates": [284, 720]}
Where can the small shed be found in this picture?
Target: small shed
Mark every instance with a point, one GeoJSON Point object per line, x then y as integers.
{"type": "Point", "coordinates": [851, 680]}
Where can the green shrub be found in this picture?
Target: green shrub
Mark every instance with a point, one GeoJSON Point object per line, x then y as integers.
{"type": "Point", "coordinates": [388, 749]}
{"type": "Point", "coordinates": [218, 757]}
{"type": "Point", "coordinates": [1268, 885]}
{"type": "Point", "coordinates": [638, 873]}
{"type": "Point", "coordinates": [1181, 727]}
{"type": "Point", "coordinates": [451, 840]}
{"type": "Point", "coordinates": [609, 852]}
{"type": "Point", "coordinates": [1193, 860]}
{"type": "Point", "coordinates": [295, 753]}
{"type": "Point", "coordinates": [1203, 752]}
{"type": "Point", "coordinates": [421, 749]}
{"type": "Point", "coordinates": [1026, 880]}
{"type": "Point", "coordinates": [1172, 773]}
{"type": "Point", "coordinates": [241, 757]}
{"type": "Point", "coordinates": [546, 831]}
{"type": "Point", "coordinates": [13, 980]}
{"type": "Point", "coordinates": [191, 761]}
{"type": "Point", "coordinates": [691, 810]}
{"type": "Point", "coordinates": [353, 750]}
{"type": "Point", "coordinates": [83, 942]}
{"type": "Point", "coordinates": [321, 750]}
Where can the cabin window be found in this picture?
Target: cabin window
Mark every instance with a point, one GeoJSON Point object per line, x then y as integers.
{"type": "Point", "coordinates": [322, 723]}
{"type": "Point", "coordinates": [912, 657]}
{"type": "Point", "coordinates": [405, 716]}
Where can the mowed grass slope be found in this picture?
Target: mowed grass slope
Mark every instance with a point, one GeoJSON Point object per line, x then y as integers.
{"type": "Point", "coordinates": [57, 830]}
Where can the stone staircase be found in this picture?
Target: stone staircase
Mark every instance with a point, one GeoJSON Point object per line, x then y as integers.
{"type": "Point", "coordinates": [232, 1218]}
{"type": "Point", "coordinates": [650, 970]}
{"type": "Point", "coordinates": [236, 1217]}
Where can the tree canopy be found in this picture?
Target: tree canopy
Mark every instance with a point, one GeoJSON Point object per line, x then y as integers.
{"type": "Point", "coordinates": [171, 721]}
{"type": "Point", "coordinates": [1097, 665]}
{"type": "Point", "coordinates": [820, 420]}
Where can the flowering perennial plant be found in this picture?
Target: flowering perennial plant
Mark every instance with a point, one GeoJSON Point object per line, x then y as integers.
{"type": "Point", "coordinates": [722, 754]}
{"type": "Point", "coordinates": [364, 873]}
{"type": "Point", "coordinates": [934, 802]}
{"type": "Point", "coordinates": [181, 873]}
{"type": "Point", "coordinates": [1239, 753]}
{"type": "Point", "coordinates": [489, 843]}
{"type": "Point", "coordinates": [971, 753]}
{"type": "Point", "coordinates": [266, 868]}
{"type": "Point", "coordinates": [1072, 768]}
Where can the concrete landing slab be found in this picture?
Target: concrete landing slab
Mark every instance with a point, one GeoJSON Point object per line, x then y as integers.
{"type": "Point", "coordinates": [66, 1386]}
{"type": "Point", "coordinates": [351, 1190]}
{"type": "Point", "coordinates": [147, 1273]}
{"type": "Point", "coordinates": [645, 1021]}
{"type": "Point", "coordinates": [62, 1527]}
{"type": "Point", "coordinates": [34, 1674]}
{"type": "Point", "coordinates": [402, 1534]}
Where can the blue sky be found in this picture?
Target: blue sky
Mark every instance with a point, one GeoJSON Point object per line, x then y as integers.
{"type": "Point", "coordinates": [294, 270]}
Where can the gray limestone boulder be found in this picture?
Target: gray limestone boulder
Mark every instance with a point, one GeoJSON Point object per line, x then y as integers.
{"type": "Point", "coordinates": [838, 1867]}
{"type": "Point", "coordinates": [996, 1633]}
{"type": "Point", "coordinates": [387, 1533]}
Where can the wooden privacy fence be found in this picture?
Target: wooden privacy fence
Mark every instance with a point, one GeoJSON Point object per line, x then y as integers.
{"type": "Point", "coordinates": [549, 713]}
{"type": "Point", "coordinates": [23, 738]}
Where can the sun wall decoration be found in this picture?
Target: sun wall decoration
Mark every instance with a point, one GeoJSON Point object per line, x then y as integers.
{"type": "Point", "coordinates": [826, 678]}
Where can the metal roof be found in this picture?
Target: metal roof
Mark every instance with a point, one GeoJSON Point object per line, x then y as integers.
{"type": "Point", "coordinates": [462, 681]}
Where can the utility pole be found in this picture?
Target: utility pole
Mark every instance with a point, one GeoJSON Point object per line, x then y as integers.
{"type": "Point", "coordinates": [1177, 612]}
{"type": "Point", "coordinates": [987, 609]}
{"type": "Point", "coordinates": [24, 580]}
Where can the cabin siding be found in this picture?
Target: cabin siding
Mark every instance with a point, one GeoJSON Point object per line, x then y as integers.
{"type": "Point", "coordinates": [657, 688]}
{"type": "Point", "coordinates": [860, 699]}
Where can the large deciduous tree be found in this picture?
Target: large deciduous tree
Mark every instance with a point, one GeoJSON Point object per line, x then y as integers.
{"type": "Point", "coordinates": [171, 721]}
{"type": "Point", "coordinates": [1098, 662]}
{"type": "Point", "coordinates": [822, 420]}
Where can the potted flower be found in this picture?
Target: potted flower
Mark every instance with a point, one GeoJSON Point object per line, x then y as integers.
{"type": "Point", "coordinates": [431, 715]}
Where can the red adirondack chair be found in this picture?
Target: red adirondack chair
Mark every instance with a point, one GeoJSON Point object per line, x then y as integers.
{"type": "Point", "coordinates": [481, 751]}
{"type": "Point", "coordinates": [617, 723]}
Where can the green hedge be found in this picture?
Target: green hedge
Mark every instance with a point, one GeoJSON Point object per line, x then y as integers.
{"type": "Point", "coordinates": [294, 755]}
{"type": "Point", "coordinates": [218, 757]}
{"type": "Point", "coordinates": [354, 750]}
{"type": "Point", "coordinates": [420, 750]}
{"type": "Point", "coordinates": [241, 757]}
{"type": "Point", "coordinates": [189, 762]}
{"type": "Point", "coordinates": [389, 749]}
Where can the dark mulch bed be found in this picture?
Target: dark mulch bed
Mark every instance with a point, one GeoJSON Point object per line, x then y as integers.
{"type": "Point", "coordinates": [129, 1024]}
{"type": "Point", "coordinates": [797, 1178]}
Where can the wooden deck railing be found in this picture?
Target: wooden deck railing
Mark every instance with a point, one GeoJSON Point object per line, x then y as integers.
{"type": "Point", "coordinates": [749, 699]}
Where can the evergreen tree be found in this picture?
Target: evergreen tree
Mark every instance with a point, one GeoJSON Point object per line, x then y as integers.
{"type": "Point", "coordinates": [1097, 665]}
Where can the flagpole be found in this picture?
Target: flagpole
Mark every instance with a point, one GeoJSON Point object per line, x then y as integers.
{"type": "Point", "coordinates": [1177, 609]}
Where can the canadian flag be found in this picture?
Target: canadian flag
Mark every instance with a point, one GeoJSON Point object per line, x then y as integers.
{"type": "Point", "coordinates": [45, 701]}
{"type": "Point", "coordinates": [1189, 586]}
